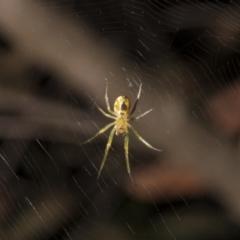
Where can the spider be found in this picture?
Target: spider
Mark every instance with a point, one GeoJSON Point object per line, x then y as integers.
{"type": "Point", "coordinates": [122, 116]}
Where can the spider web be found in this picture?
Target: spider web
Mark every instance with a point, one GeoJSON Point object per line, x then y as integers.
{"type": "Point", "coordinates": [56, 57]}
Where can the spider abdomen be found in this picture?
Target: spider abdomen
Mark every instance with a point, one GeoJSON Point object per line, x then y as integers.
{"type": "Point", "coordinates": [122, 106]}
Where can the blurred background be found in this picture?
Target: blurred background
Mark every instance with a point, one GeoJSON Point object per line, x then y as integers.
{"type": "Point", "coordinates": [55, 59]}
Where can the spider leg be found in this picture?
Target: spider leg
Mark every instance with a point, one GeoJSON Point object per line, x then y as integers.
{"type": "Point", "coordinates": [126, 143]}
{"type": "Point", "coordinates": [105, 114]}
{"type": "Point", "coordinates": [100, 132]}
{"type": "Point", "coordinates": [141, 115]}
{"type": "Point", "coordinates": [109, 143]}
{"type": "Point", "coordinates": [138, 96]}
{"type": "Point", "coordinates": [107, 101]}
{"type": "Point", "coordinates": [142, 140]}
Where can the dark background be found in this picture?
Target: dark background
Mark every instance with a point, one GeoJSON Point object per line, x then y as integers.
{"type": "Point", "coordinates": [55, 58]}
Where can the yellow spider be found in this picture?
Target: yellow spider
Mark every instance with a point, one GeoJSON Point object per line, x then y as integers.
{"type": "Point", "coordinates": [121, 124]}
